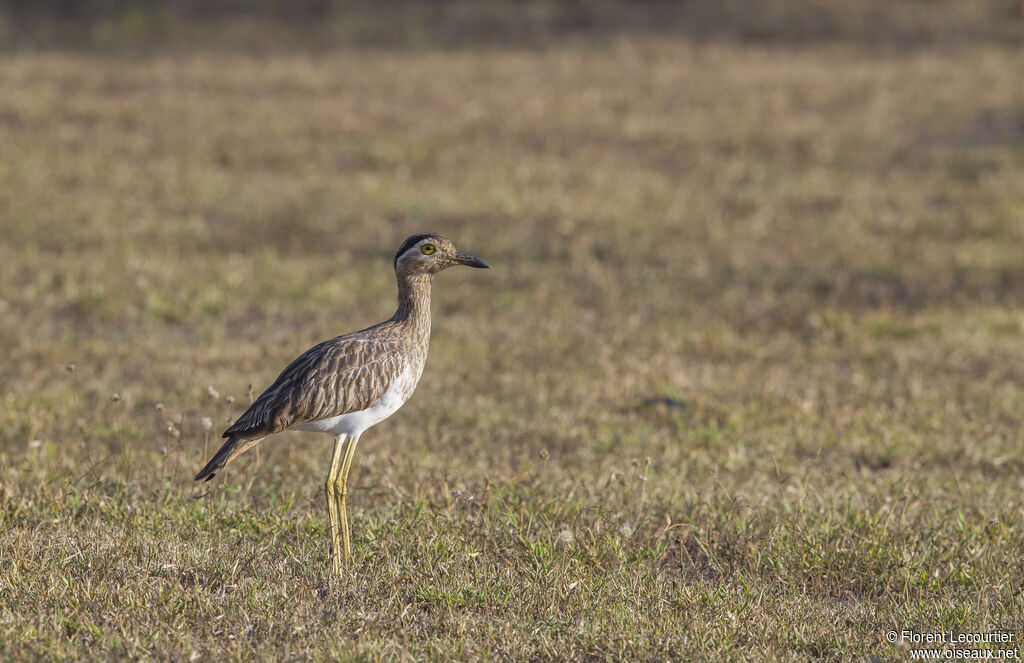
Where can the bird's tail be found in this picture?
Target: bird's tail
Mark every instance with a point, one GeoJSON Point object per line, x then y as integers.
{"type": "Point", "coordinates": [235, 446]}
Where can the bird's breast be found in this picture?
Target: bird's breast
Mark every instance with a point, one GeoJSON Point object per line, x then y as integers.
{"type": "Point", "coordinates": [354, 423]}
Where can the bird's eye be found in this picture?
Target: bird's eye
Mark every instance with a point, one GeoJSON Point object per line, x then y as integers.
{"type": "Point", "coordinates": [428, 249]}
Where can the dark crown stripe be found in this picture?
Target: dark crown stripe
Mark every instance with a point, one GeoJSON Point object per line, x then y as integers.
{"type": "Point", "coordinates": [409, 243]}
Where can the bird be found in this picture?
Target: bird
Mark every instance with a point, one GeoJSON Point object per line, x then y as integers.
{"type": "Point", "coordinates": [349, 383]}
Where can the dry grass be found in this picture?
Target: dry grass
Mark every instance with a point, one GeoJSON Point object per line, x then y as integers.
{"type": "Point", "coordinates": [789, 278]}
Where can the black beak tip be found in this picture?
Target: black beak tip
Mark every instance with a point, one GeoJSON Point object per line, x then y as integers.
{"type": "Point", "coordinates": [471, 261]}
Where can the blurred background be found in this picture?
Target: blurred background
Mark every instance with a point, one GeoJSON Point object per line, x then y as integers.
{"type": "Point", "coordinates": [699, 213]}
{"type": "Point", "coordinates": [270, 24]}
{"type": "Point", "coordinates": [763, 253]}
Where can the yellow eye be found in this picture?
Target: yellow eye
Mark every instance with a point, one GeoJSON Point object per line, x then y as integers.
{"type": "Point", "coordinates": [428, 249]}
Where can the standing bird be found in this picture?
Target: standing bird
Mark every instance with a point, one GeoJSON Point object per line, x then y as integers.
{"type": "Point", "coordinates": [349, 383]}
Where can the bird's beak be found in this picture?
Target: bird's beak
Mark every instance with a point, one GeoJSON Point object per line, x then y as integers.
{"type": "Point", "coordinates": [470, 261]}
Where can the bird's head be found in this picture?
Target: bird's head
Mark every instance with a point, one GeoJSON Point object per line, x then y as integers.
{"type": "Point", "coordinates": [429, 253]}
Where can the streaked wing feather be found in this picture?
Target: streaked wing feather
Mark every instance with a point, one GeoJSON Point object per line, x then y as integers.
{"type": "Point", "coordinates": [338, 376]}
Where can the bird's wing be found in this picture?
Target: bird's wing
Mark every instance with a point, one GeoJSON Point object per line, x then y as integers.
{"type": "Point", "coordinates": [342, 375]}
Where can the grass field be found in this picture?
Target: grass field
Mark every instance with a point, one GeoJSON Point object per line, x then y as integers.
{"type": "Point", "coordinates": [744, 383]}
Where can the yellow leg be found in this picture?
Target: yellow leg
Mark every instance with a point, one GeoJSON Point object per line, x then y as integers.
{"type": "Point", "coordinates": [331, 493]}
{"type": "Point", "coordinates": [341, 491]}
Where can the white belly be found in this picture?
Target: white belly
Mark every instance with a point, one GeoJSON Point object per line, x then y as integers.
{"type": "Point", "coordinates": [353, 424]}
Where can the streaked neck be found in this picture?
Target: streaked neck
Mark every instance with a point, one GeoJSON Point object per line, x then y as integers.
{"type": "Point", "coordinates": [413, 299]}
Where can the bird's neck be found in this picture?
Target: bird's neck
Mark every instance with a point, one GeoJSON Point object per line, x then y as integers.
{"type": "Point", "coordinates": [414, 301]}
